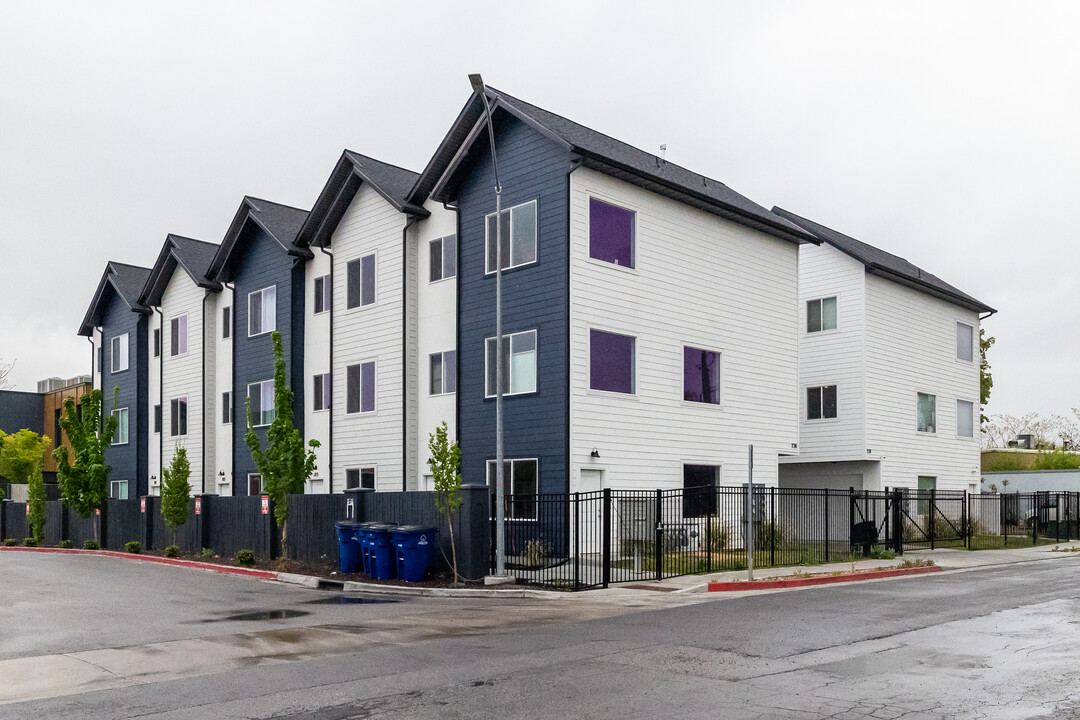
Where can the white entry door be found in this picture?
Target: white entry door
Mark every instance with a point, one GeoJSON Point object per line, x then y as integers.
{"type": "Point", "coordinates": [592, 511]}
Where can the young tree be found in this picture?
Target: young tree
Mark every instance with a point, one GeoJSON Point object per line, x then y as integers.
{"type": "Point", "coordinates": [5, 374]}
{"type": "Point", "coordinates": [445, 463]}
{"type": "Point", "coordinates": [84, 478]}
{"type": "Point", "coordinates": [986, 381]}
{"type": "Point", "coordinates": [21, 458]}
{"type": "Point", "coordinates": [285, 465]}
{"type": "Point", "coordinates": [175, 491]}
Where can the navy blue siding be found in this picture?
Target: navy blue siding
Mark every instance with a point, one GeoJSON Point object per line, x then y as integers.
{"type": "Point", "coordinates": [531, 167]}
{"type": "Point", "coordinates": [19, 410]}
{"type": "Point", "coordinates": [128, 461]}
{"type": "Point", "coordinates": [262, 262]}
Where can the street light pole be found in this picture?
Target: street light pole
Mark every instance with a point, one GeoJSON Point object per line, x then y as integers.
{"type": "Point", "coordinates": [500, 490]}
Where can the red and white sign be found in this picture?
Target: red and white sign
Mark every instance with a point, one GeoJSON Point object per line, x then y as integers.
{"type": "Point", "coordinates": [198, 506]}
{"type": "Point", "coordinates": [27, 509]}
{"type": "Point", "coordinates": [266, 505]}
{"type": "Point", "coordinates": [142, 505]}
{"type": "Point", "coordinates": [98, 512]}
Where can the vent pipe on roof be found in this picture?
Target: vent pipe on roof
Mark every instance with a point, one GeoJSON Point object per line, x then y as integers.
{"type": "Point", "coordinates": [663, 153]}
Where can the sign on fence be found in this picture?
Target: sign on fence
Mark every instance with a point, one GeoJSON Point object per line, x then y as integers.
{"type": "Point", "coordinates": [198, 506]}
{"type": "Point", "coordinates": [142, 505]}
{"type": "Point", "coordinates": [265, 505]}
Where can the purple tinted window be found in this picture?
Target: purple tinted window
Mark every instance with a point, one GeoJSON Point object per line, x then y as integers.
{"type": "Point", "coordinates": [611, 233]}
{"type": "Point", "coordinates": [701, 376]}
{"type": "Point", "coordinates": [611, 362]}
{"type": "Point", "coordinates": [367, 387]}
{"type": "Point", "coordinates": [367, 272]}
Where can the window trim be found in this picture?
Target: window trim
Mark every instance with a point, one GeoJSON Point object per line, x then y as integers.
{"type": "Point", "coordinates": [327, 294]}
{"type": "Point", "coordinates": [821, 387]}
{"type": "Point", "coordinates": [117, 413]}
{"type": "Point", "coordinates": [446, 372]}
{"type": "Point", "coordinates": [510, 489]}
{"type": "Point", "coordinates": [260, 384]}
{"type": "Point", "coordinates": [262, 486]}
{"type": "Point", "coordinates": [359, 469]}
{"type": "Point", "coordinates": [633, 369]}
{"type": "Point", "coordinates": [327, 388]}
{"type": "Point", "coordinates": [123, 354]}
{"type": "Point", "coordinates": [934, 397]}
{"type": "Point", "coordinates": [227, 322]}
{"type": "Point", "coordinates": [261, 292]}
{"type": "Point", "coordinates": [719, 379]}
{"type": "Point", "coordinates": [374, 388]}
{"type": "Point", "coordinates": [375, 293]}
{"type": "Point", "coordinates": [973, 424]}
{"type": "Point", "coordinates": [442, 254]}
{"type": "Point", "coordinates": [177, 336]}
{"type": "Point", "coordinates": [536, 238]}
{"type": "Point", "coordinates": [157, 419]}
{"type": "Point", "coordinates": [231, 406]}
{"type": "Point", "coordinates": [117, 483]}
{"type": "Point", "coordinates": [507, 336]}
{"type": "Point", "coordinates": [821, 314]}
{"type": "Point", "coordinates": [173, 422]}
{"type": "Point", "coordinates": [970, 360]}
{"type": "Point", "coordinates": [633, 233]}
{"type": "Point", "coordinates": [157, 342]}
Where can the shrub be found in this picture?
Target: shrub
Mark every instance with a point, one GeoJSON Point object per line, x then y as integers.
{"type": "Point", "coordinates": [535, 552]}
{"type": "Point", "coordinates": [719, 535]}
{"type": "Point", "coordinates": [245, 558]}
{"type": "Point", "coordinates": [769, 535]}
{"type": "Point", "coordinates": [880, 552]}
{"type": "Point", "coordinates": [30, 542]}
{"type": "Point", "coordinates": [172, 551]}
{"type": "Point", "coordinates": [90, 545]}
{"type": "Point", "coordinates": [207, 553]}
{"type": "Point", "coordinates": [67, 544]}
{"type": "Point", "coordinates": [920, 562]}
{"type": "Point", "coordinates": [10, 542]}
{"type": "Point", "coordinates": [133, 547]}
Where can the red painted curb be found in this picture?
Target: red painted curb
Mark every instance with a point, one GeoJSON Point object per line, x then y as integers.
{"type": "Point", "coordinates": [740, 585]}
{"type": "Point", "coordinates": [213, 567]}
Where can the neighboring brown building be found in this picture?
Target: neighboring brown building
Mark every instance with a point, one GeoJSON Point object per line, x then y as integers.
{"type": "Point", "coordinates": [54, 408]}
{"type": "Point", "coordinates": [41, 412]}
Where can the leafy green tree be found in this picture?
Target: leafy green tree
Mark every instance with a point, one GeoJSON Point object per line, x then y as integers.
{"type": "Point", "coordinates": [175, 491]}
{"type": "Point", "coordinates": [445, 464]}
{"type": "Point", "coordinates": [986, 381]}
{"type": "Point", "coordinates": [83, 476]}
{"type": "Point", "coordinates": [21, 459]}
{"type": "Point", "coordinates": [285, 465]}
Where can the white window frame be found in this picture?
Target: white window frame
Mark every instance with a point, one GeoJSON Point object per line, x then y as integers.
{"type": "Point", "coordinates": [227, 322]}
{"type": "Point", "coordinates": [442, 258]}
{"type": "Point", "coordinates": [360, 388]}
{"type": "Point", "coordinates": [262, 487]}
{"type": "Point", "coordinates": [509, 380]}
{"type": "Point", "coordinates": [123, 420]}
{"type": "Point", "coordinates": [536, 238]}
{"type": "Point", "coordinates": [174, 335]}
{"type": "Point", "coordinates": [228, 402]}
{"type": "Point", "coordinates": [971, 416]}
{"type": "Point", "coordinates": [114, 485]}
{"type": "Point", "coordinates": [359, 470]}
{"type": "Point", "coordinates": [509, 481]}
{"type": "Point", "coordinates": [261, 385]}
{"type": "Point", "coordinates": [821, 408]}
{"type": "Point", "coordinates": [326, 386]}
{"type": "Point", "coordinates": [119, 349]}
{"type": "Point", "coordinates": [633, 368]}
{"type": "Point", "coordinates": [447, 372]}
{"type": "Point", "coordinates": [821, 314]}
{"type": "Point", "coordinates": [174, 420]}
{"type": "Point", "coordinates": [375, 273]}
{"type": "Point", "coordinates": [633, 233]}
{"type": "Point", "coordinates": [263, 330]}
{"type": "Point", "coordinates": [971, 345]}
{"type": "Point", "coordinates": [157, 342]}
{"type": "Point", "coordinates": [327, 294]}
{"type": "Point", "coordinates": [933, 397]}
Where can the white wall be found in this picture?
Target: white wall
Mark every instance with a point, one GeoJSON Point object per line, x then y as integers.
{"type": "Point", "coordinates": [182, 375]}
{"type": "Point", "coordinates": [153, 393]}
{"type": "Point", "coordinates": [700, 281]}
{"type": "Point", "coordinates": [911, 348]}
{"type": "Point", "coordinates": [317, 362]}
{"type": "Point", "coordinates": [223, 377]}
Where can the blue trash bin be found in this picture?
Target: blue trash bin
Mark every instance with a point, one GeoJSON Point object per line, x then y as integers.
{"type": "Point", "coordinates": [380, 550]}
{"type": "Point", "coordinates": [414, 547]}
{"type": "Point", "coordinates": [348, 548]}
{"type": "Point", "coordinates": [363, 537]}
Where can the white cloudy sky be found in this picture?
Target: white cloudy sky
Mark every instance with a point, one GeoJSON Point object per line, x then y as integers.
{"type": "Point", "coordinates": [943, 132]}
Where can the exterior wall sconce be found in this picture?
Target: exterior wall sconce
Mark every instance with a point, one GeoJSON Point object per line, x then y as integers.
{"type": "Point", "coordinates": [595, 454]}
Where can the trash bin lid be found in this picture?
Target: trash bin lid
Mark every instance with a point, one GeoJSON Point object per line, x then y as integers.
{"type": "Point", "coordinates": [379, 526]}
{"type": "Point", "coordinates": [348, 524]}
{"type": "Point", "coordinates": [413, 529]}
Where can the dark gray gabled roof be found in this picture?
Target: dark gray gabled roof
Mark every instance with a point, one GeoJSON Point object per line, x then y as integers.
{"type": "Point", "coordinates": [352, 170]}
{"type": "Point", "coordinates": [281, 222]}
{"type": "Point", "coordinates": [194, 256]}
{"type": "Point", "coordinates": [127, 281]}
{"type": "Point", "coordinates": [887, 265]}
{"type": "Point", "coordinates": [605, 154]}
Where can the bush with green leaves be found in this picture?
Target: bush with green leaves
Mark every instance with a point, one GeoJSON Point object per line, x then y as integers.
{"type": "Point", "coordinates": [82, 473]}
{"type": "Point", "coordinates": [134, 547]}
{"type": "Point", "coordinates": [66, 544]}
{"type": "Point", "coordinates": [10, 542]}
{"type": "Point", "coordinates": [207, 553]}
{"type": "Point", "coordinates": [21, 458]}
{"type": "Point", "coordinates": [445, 463]}
{"type": "Point", "coordinates": [91, 545]}
{"type": "Point", "coordinates": [172, 551]}
{"type": "Point", "coordinates": [880, 552]}
{"type": "Point", "coordinates": [176, 490]}
{"type": "Point", "coordinates": [245, 558]}
{"type": "Point", "coordinates": [30, 542]}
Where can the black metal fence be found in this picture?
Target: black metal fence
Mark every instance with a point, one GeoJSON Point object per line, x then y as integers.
{"type": "Point", "coordinates": [589, 540]}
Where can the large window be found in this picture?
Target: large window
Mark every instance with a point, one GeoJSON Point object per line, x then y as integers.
{"type": "Point", "coordinates": [965, 341]}
{"type": "Point", "coordinates": [262, 311]}
{"type": "Point", "coordinates": [360, 282]}
{"type": "Point", "coordinates": [178, 417]}
{"type": "Point", "coordinates": [611, 362]}
{"type": "Point", "coordinates": [178, 336]}
{"type": "Point", "coordinates": [443, 253]}
{"type": "Point", "coordinates": [322, 294]}
{"type": "Point", "coordinates": [699, 490]}
{"type": "Point", "coordinates": [360, 388]}
{"type": "Point", "coordinates": [443, 373]}
{"type": "Point", "coordinates": [119, 352]}
{"type": "Point", "coordinates": [965, 418]}
{"type": "Point", "coordinates": [927, 412]}
{"type": "Point", "coordinates": [261, 397]}
{"type": "Point", "coordinates": [821, 314]}
{"type": "Point", "coordinates": [518, 229]}
{"type": "Point", "coordinates": [611, 233]}
{"type": "Point", "coordinates": [701, 375]}
{"type": "Point", "coordinates": [226, 408]}
{"type": "Point", "coordinates": [821, 402]}
{"type": "Point", "coordinates": [520, 481]}
{"type": "Point", "coordinates": [321, 392]}
{"type": "Point", "coordinates": [519, 364]}
{"type": "Point", "coordinates": [360, 478]}
{"type": "Point", "coordinates": [121, 435]}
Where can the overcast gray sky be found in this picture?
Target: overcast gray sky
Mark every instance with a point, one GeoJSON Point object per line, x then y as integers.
{"type": "Point", "coordinates": [943, 132]}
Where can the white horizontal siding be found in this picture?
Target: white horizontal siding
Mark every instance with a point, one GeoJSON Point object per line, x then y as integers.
{"type": "Point", "coordinates": [182, 376]}
{"type": "Point", "coordinates": [699, 281]}
{"type": "Point", "coordinates": [223, 379]}
{"type": "Point", "coordinates": [153, 397]}
{"type": "Point", "coordinates": [317, 362]}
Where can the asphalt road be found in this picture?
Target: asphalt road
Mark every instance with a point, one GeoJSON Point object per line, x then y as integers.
{"type": "Point", "coordinates": [107, 638]}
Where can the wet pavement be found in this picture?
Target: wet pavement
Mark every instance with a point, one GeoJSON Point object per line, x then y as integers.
{"type": "Point", "coordinates": [117, 639]}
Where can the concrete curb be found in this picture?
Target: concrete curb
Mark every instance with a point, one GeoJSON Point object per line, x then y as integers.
{"type": "Point", "coordinates": [194, 564]}
{"type": "Point", "coordinates": [745, 585]}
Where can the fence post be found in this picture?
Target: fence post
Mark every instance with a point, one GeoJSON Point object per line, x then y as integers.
{"type": "Point", "coordinates": [103, 525]}
{"type": "Point", "coordinates": [64, 531]}
{"type": "Point", "coordinates": [491, 519]}
{"type": "Point", "coordinates": [930, 519]}
{"type": "Point", "coordinates": [709, 519]}
{"type": "Point", "coordinates": [658, 537]}
{"type": "Point", "coordinates": [146, 511]}
{"type": "Point", "coordinates": [1003, 520]}
{"type": "Point", "coordinates": [577, 537]}
{"type": "Point", "coordinates": [1035, 517]}
{"type": "Point", "coordinates": [898, 521]}
{"type": "Point", "coordinates": [964, 519]}
{"type": "Point", "coordinates": [3, 518]}
{"type": "Point", "coordinates": [851, 516]}
{"type": "Point", "coordinates": [826, 524]}
{"type": "Point", "coordinates": [202, 524]}
{"type": "Point", "coordinates": [772, 527]}
{"type": "Point", "coordinates": [606, 543]}
{"type": "Point", "coordinates": [1057, 517]}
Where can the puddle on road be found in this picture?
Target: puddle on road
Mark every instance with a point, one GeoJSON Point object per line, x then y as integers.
{"type": "Point", "coordinates": [347, 600]}
{"type": "Point", "coordinates": [259, 615]}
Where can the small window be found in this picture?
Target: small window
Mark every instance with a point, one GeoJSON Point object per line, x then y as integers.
{"type": "Point", "coordinates": [360, 282]}
{"type": "Point", "coordinates": [611, 233]}
{"type": "Point", "coordinates": [226, 323]}
{"type": "Point", "coordinates": [118, 489]}
{"type": "Point", "coordinates": [178, 336]}
{"type": "Point", "coordinates": [520, 482]}
{"type": "Point", "coordinates": [226, 408]}
{"type": "Point", "coordinates": [322, 294]}
{"type": "Point", "coordinates": [255, 484]}
{"type": "Point", "coordinates": [360, 388]}
{"type": "Point", "coordinates": [121, 435]}
{"type": "Point", "coordinates": [927, 411]}
{"type": "Point", "coordinates": [157, 419]}
{"type": "Point", "coordinates": [157, 342]}
{"type": "Point", "coordinates": [701, 375]}
{"type": "Point", "coordinates": [443, 252]}
{"type": "Point", "coordinates": [699, 490]}
{"type": "Point", "coordinates": [321, 392]}
{"type": "Point", "coordinates": [965, 418]}
{"type": "Point", "coordinates": [519, 364]}
{"type": "Point", "coordinates": [178, 417]}
{"type": "Point", "coordinates": [443, 373]}
{"type": "Point", "coordinates": [119, 352]}
{"type": "Point", "coordinates": [261, 396]}
{"type": "Point", "coordinates": [363, 478]}
{"type": "Point", "coordinates": [611, 362]}
{"type": "Point", "coordinates": [518, 230]}
{"type": "Point", "coordinates": [262, 311]}
{"type": "Point", "coordinates": [101, 358]}
{"type": "Point", "coordinates": [821, 315]}
{"type": "Point", "coordinates": [926, 485]}
{"type": "Point", "coordinates": [821, 402]}
{"type": "Point", "coordinates": [965, 341]}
